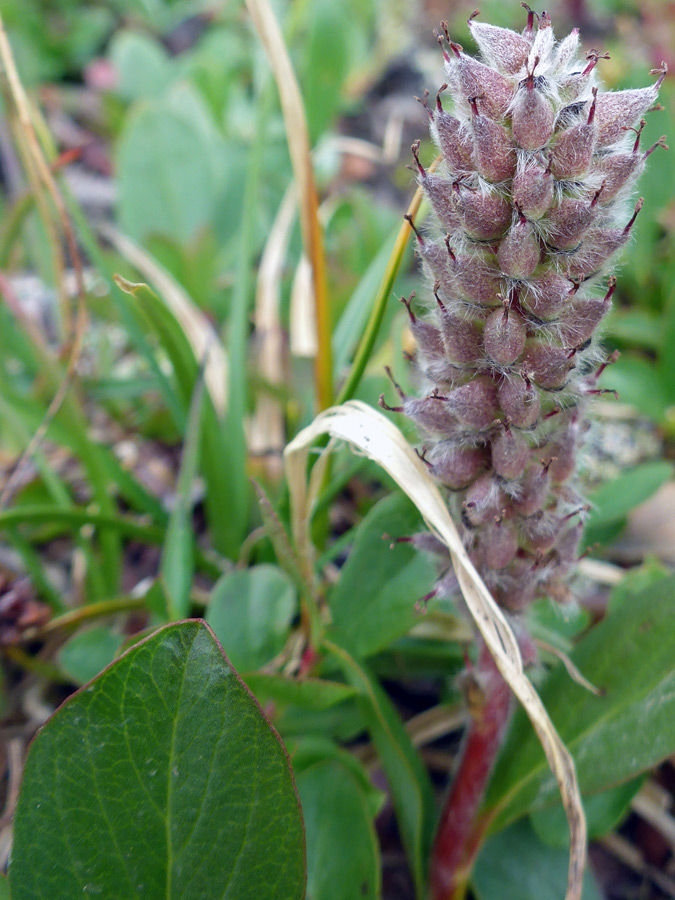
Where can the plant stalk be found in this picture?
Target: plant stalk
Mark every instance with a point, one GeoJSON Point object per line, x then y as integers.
{"type": "Point", "coordinates": [460, 829]}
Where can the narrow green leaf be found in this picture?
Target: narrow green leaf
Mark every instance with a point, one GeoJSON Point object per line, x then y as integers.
{"type": "Point", "coordinates": [250, 612]}
{"type": "Point", "coordinates": [614, 737]}
{"type": "Point", "coordinates": [177, 564]}
{"type": "Point", "coordinates": [343, 859]}
{"type": "Point", "coordinates": [408, 779]}
{"type": "Point", "coordinates": [307, 693]}
{"type": "Point", "coordinates": [161, 778]}
{"type": "Point", "coordinates": [515, 865]}
{"type": "Point", "coordinates": [214, 451]}
{"type": "Point", "coordinates": [373, 602]}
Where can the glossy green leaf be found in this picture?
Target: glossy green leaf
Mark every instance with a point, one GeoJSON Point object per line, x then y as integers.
{"type": "Point", "coordinates": [159, 779]}
{"type": "Point", "coordinates": [307, 693]}
{"type": "Point", "coordinates": [250, 612]}
{"type": "Point", "coordinates": [88, 652]}
{"type": "Point", "coordinates": [604, 812]}
{"type": "Point", "coordinates": [516, 865]}
{"type": "Point", "coordinates": [612, 501]}
{"type": "Point", "coordinates": [408, 780]}
{"type": "Point", "coordinates": [613, 737]}
{"type": "Point", "coordinates": [373, 603]}
{"type": "Point", "coordinates": [343, 859]}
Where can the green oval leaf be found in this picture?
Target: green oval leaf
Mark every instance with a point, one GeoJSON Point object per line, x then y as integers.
{"type": "Point", "coordinates": [373, 603]}
{"type": "Point", "coordinates": [343, 858]}
{"type": "Point", "coordinates": [250, 612]}
{"type": "Point", "coordinates": [161, 779]}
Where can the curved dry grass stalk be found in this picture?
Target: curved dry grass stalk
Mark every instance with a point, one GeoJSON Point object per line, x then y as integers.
{"type": "Point", "coordinates": [202, 336]}
{"type": "Point", "coordinates": [36, 162]}
{"type": "Point", "coordinates": [297, 136]}
{"type": "Point", "coordinates": [266, 432]}
{"type": "Point", "coordinates": [374, 435]}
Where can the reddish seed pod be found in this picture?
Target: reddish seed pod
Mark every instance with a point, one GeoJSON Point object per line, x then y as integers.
{"type": "Point", "coordinates": [502, 48]}
{"type": "Point", "coordinates": [484, 500]}
{"type": "Point", "coordinates": [617, 110]}
{"type": "Point", "coordinates": [475, 80]}
{"type": "Point", "coordinates": [569, 221]}
{"type": "Point", "coordinates": [505, 335]}
{"type": "Point", "coordinates": [438, 262]}
{"type": "Point", "coordinates": [430, 414]}
{"type": "Point", "coordinates": [484, 216]}
{"type": "Point", "coordinates": [582, 318]}
{"type": "Point", "coordinates": [567, 545]}
{"type": "Point", "coordinates": [510, 453]}
{"type": "Point", "coordinates": [546, 295]}
{"type": "Point", "coordinates": [519, 402]}
{"type": "Point", "coordinates": [476, 282]}
{"type": "Point", "coordinates": [535, 486]}
{"type": "Point", "coordinates": [541, 531]}
{"type": "Point", "coordinates": [462, 338]}
{"type": "Point", "coordinates": [598, 246]}
{"type": "Point", "coordinates": [494, 152]}
{"type": "Point", "coordinates": [618, 170]}
{"type": "Point", "coordinates": [557, 590]}
{"type": "Point", "coordinates": [548, 366]}
{"type": "Point", "coordinates": [532, 117]}
{"type": "Point", "coordinates": [474, 403]}
{"type": "Point", "coordinates": [453, 140]}
{"type": "Point", "coordinates": [443, 200]}
{"type": "Point", "coordinates": [519, 252]}
{"type": "Point", "coordinates": [497, 543]}
{"type": "Point", "coordinates": [520, 590]}
{"type": "Point", "coordinates": [427, 336]}
{"type": "Point", "coordinates": [457, 467]}
{"type": "Point", "coordinates": [532, 190]}
{"type": "Point", "coordinates": [572, 151]}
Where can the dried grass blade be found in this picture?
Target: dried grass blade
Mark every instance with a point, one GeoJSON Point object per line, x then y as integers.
{"type": "Point", "coordinates": [203, 338]}
{"type": "Point", "coordinates": [266, 433]}
{"type": "Point", "coordinates": [297, 136]}
{"type": "Point", "coordinates": [375, 436]}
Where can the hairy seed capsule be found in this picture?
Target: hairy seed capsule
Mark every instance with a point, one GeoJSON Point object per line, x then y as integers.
{"type": "Point", "coordinates": [535, 486]}
{"type": "Point", "coordinates": [532, 117]}
{"type": "Point", "coordinates": [519, 402]}
{"type": "Point", "coordinates": [462, 338]}
{"type": "Point", "coordinates": [532, 190]}
{"type": "Point", "coordinates": [484, 216]}
{"type": "Point", "coordinates": [475, 80]}
{"type": "Point", "coordinates": [484, 500]}
{"type": "Point", "coordinates": [572, 151]}
{"type": "Point", "coordinates": [546, 365]}
{"type": "Point", "coordinates": [569, 221]}
{"type": "Point", "coordinates": [457, 467]}
{"type": "Point", "coordinates": [498, 543]}
{"type": "Point", "coordinates": [505, 334]}
{"type": "Point", "coordinates": [546, 295]}
{"type": "Point", "coordinates": [617, 110]}
{"type": "Point", "coordinates": [519, 251]}
{"type": "Point", "coordinates": [493, 148]}
{"type": "Point", "coordinates": [502, 48]}
{"type": "Point", "coordinates": [510, 453]}
{"type": "Point", "coordinates": [453, 140]}
{"type": "Point", "coordinates": [474, 403]}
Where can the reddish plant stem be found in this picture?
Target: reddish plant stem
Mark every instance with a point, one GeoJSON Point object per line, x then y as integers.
{"type": "Point", "coordinates": [460, 830]}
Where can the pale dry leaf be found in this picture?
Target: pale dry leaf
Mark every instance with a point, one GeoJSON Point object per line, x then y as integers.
{"type": "Point", "coordinates": [201, 335]}
{"type": "Point", "coordinates": [374, 435]}
{"type": "Point", "coordinates": [299, 148]}
{"type": "Point", "coordinates": [266, 431]}
{"type": "Point", "coordinates": [302, 320]}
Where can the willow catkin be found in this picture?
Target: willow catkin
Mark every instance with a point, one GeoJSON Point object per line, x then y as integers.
{"type": "Point", "coordinates": [531, 204]}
